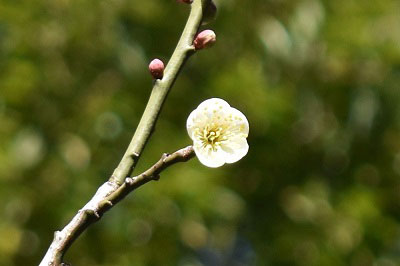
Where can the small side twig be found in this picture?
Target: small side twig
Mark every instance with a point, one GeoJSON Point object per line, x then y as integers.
{"type": "Point", "coordinates": [105, 198]}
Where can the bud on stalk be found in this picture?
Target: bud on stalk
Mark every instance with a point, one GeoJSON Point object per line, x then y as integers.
{"type": "Point", "coordinates": [204, 39]}
{"type": "Point", "coordinates": [156, 68]}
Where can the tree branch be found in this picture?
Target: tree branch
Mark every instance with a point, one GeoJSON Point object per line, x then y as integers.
{"type": "Point", "coordinates": [183, 51]}
{"type": "Point", "coordinates": [118, 186]}
{"type": "Point", "coordinates": [102, 201]}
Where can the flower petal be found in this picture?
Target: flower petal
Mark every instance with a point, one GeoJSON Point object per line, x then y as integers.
{"type": "Point", "coordinates": [235, 149]}
{"type": "Point", "coordinates": [213, 108]}
{"type": "Point", "coordinates": [191, 123]}
{"type": "Point", "coordinates": [208, 157]}
{"type": "Point", "coordinates": [212, 103]}
{"type": "Point", "coordinates": [239, 122]}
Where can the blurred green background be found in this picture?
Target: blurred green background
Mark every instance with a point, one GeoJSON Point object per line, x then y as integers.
{"type": "Point", "coordinates": [318, 80]}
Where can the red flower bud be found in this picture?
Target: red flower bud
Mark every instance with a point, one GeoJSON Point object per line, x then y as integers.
{"type": "Point", "coordinates": [156, 68]}
{"type": "Point", "coordinates": [204, 39]}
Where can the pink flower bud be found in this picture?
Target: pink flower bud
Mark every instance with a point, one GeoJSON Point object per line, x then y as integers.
{"type": "Point", "coordinates": [204, 39]}
{"type": "Point", "coordinates": [185, 1]}
{"type": "Point", "coordinates": [156, 68]}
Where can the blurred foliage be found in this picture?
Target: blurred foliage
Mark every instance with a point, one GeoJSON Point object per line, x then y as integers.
{"type": "Point", "coordinates": [318, 80]}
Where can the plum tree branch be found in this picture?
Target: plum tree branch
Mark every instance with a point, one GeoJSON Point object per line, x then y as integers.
{"type": "Point", "coordinates": [183, 51]}
{"type": "Point", "coordinates": [118, 186]}
{"type": "Point", "coordinates": [104, 200]}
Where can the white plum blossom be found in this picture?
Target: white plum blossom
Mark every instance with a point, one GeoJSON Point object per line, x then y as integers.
{"type": "Point", "coordinates": [219, 133]}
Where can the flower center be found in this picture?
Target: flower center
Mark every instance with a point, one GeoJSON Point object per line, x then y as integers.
{"type": "Point", "coordinates": [211, 136]}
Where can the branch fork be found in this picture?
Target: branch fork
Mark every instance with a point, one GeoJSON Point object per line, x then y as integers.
{"type": "Point", "coordinates": [120, 184]}
{"type": "Point", "coordinates": [105, 198]}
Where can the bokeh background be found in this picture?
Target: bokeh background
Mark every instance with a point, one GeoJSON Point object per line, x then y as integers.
{"type": "Point", "coordinates": [318, 80]}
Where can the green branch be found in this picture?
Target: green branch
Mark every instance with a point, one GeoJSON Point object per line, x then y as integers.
{"type": "Point", "coordinates": [102, 201]}
{"type": "Point", "coordinates": [118, 186]}
{"type": "Point", "coordinates": [183, 51]}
